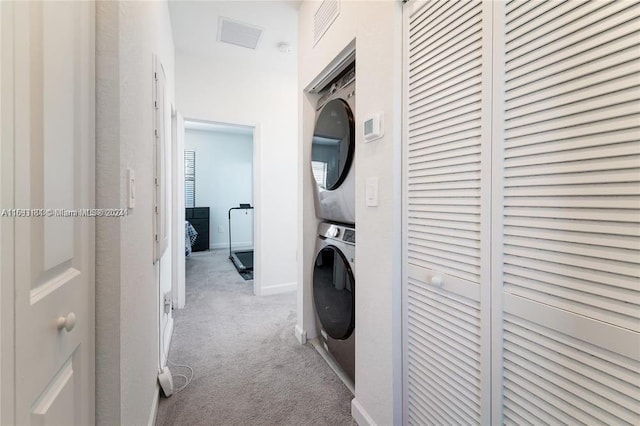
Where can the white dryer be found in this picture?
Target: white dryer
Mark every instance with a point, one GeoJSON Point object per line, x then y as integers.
{"type": "Point", "coordinates": [332, 152]}
{"type": "Point", "coordinates": [334, 293]}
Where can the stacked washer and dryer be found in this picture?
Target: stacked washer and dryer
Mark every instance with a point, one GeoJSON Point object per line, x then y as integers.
{"type": "Point", "coordinates": [332, 154]}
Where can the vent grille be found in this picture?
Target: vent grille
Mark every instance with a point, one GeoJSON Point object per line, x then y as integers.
{"type": "Point", "coordinates": [238, 33]}
{"type": "Point", "coordinates": [324, 17]}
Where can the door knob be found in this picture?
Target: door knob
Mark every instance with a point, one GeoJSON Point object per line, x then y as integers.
{"type": "Point", "coordinates": [67, 322]}
{"type": "Point", "coordinates": [436, 280]}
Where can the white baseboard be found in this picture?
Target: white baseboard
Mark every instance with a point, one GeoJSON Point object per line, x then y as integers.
{"type": "Point", "coordinates": [167, 341]}
{"type": "Point", "coordinates": [278, 288]}
{"type": "Point", "coordinates": [301, 335]}
{"type": "Point", "coordinates": [360, 415]}
{"type": "Point", "coordinates": [154, 406]}
{"type": "Point", "coordinates": [236, 246]}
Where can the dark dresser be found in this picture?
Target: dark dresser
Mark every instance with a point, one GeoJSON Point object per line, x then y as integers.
{"type": "Point", "coordinates": [199, 218]}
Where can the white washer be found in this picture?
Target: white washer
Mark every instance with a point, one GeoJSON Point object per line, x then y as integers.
{"type": "Point", "coordinates": [334, 293]}
{"type": "Point", "coordinates": [332, 152]}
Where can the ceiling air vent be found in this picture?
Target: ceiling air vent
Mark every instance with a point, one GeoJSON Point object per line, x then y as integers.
{"type": "Point", "coordinates": [238, 33]}
{"type": "Point", "coordinates": [324, 17]}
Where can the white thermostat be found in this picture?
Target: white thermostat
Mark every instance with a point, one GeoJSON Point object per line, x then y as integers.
{"type": "Point", "coordinates": [372, 128]}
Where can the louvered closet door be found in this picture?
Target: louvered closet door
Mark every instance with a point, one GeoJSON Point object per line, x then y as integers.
{"type": "Point", "coordinates": [569, 229]}
{"type": "Point", "coordinates": [447, 141]}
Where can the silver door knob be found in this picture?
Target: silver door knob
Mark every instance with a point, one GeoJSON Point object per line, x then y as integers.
{"type": "Point", "coordinates": [67, 322]}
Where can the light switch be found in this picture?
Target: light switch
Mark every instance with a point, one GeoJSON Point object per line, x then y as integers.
{"type": "Point", "coordinates": [372, 192]}
{"type": "Point", "coordinates": [131, 188]}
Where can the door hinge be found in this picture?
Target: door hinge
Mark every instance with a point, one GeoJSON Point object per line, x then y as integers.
{"type": "Point", "coordinates": [155, 131]}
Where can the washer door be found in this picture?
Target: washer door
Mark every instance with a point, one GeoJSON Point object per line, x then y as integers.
{"type": "Point", "coordinates": [332, 145]}
{"type": "Point", "coordinates": [333, 293]}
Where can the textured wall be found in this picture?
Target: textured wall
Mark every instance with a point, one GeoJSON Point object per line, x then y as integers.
{"type": "Point", "coordinates": [127, 297]}
{"type": "Point", "coordinates": [108, 195]}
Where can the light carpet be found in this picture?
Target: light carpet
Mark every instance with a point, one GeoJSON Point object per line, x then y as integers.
{"type": "Point", "coordinates": [248, 367]}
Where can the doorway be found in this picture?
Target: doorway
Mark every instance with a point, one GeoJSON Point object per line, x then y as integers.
{"type": "Point", "coordinates": [219, 187]}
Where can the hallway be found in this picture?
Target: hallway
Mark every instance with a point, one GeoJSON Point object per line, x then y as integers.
{"type": "Point", "coordinates": [248, 366]}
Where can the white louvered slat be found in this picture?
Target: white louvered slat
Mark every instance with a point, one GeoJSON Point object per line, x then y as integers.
{"type": "Point", "coordinates": [569, 226]}
{"type": "Point", "coordinates": [547, 20]}
{"type": "Point", "coordinates": [589, 383]}
{"type": "Point", "coordinates": [447, 144]}
{"type": "Point", "coordinates": [443, 356]}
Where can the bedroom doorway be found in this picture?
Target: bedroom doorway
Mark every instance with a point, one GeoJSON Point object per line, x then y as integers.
{"type": "Point", "coordinates": [219, 186]}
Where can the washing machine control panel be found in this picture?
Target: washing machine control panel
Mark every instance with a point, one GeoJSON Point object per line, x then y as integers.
{"type": "Point", "coordinates": [337, 232]}
{"type": "Point", "coordinates": [349, 236]}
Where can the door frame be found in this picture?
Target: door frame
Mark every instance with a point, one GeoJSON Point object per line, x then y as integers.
{"type": "Point", "coordinates": [256, 195]}
{"type": "Point", "coordinates": [177, 206]}
{"type": "Point", "coordinates": [7, 323]}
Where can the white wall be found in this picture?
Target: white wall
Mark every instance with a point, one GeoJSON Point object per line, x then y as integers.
{"type": "Point", "coordinates": [377, 30]}
{"type": "Point", "coordinates": [127, 305]}
{"type": "Point", "coordinates": [224, 179]}
{"type": "Point", "coordinates": [238, 92]}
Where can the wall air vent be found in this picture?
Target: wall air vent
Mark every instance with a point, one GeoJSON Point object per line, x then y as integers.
{"type": "Point", "coordinates": [324, 17]}
{"type": "Point", "coordinates": [238, 33]}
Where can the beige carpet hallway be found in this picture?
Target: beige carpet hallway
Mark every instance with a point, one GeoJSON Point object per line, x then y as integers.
{"type": "Point", "coordinates": [248, 367]}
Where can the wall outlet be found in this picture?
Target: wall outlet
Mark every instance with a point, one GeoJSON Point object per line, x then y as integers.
{"type": "Point", "coordinates": [220, 229]}
{"type": "Point", "coordinates": [167, 302]}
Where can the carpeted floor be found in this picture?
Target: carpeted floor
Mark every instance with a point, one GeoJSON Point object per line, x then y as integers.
{"type": "Point", "coordinates": [248, 367]}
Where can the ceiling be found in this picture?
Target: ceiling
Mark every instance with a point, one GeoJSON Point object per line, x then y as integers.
{"type": "Point", "coordinates": [195, 30]}
{"type": "Point", "coordinates": [217, 127]}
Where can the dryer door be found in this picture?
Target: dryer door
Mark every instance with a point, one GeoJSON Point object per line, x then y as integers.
{"type": "Point", "coordinates": [333, 144]}
{"type": "Point", "coordinates": [333, 293]}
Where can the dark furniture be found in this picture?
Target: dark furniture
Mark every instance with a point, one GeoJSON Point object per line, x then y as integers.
{"type": "Point", "coordinates": [199, 218]}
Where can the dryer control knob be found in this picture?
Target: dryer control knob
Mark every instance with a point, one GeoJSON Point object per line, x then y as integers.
{"type": "Point", "coordinates": [334, 232]}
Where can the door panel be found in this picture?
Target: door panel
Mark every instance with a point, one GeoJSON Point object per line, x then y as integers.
{"type": "Point", "coordinates": [568, 221]}
{"type": "Point", "coordinates": [54, 155]}
{"type": "Point", "coordinates": [447, 213]}
{"type": "Point", "coordinates": [59, 27]}
{"type": "Point", "coordinates": [553, 173]}
{"type": "Point", "coordinates": [57, 400]}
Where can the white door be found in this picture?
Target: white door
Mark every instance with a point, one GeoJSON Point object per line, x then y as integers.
{"type": "Point", "coordinates": [52, 139]}
{"type": "Point", "coordinates": [562, 187]}
{"type": "Point", "coordinates": [447, 211]}
{"type": "Point", "coordinates": [568, 222]}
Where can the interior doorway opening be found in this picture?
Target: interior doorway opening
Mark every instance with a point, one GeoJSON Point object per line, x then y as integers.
{"type": "Point", "coordinates": [219, 187]}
